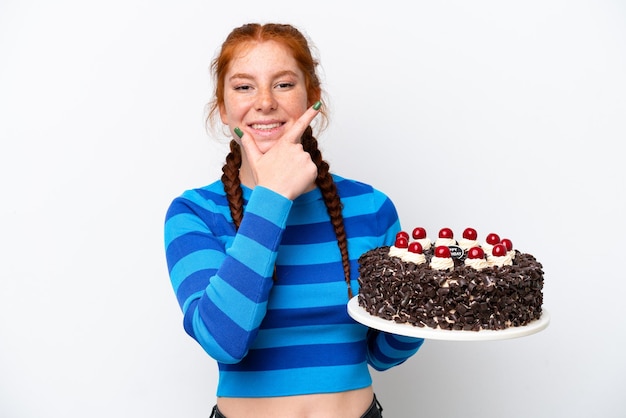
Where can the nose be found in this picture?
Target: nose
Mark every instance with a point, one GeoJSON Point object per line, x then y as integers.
{"type": "Point", "coordinates": [265, 101]}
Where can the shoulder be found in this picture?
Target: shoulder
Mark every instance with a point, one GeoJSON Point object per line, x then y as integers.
{"type": "Point", "coordinates": [210, 198]}
{"type": "Point", "coordinates": [200, 209]}
{"type": "Point", "coordinates": [360, 198]}
{"type": "Point", "coordinates": [207, 195]}
{"type": "Point", "coordinates": [367, 211]}
{"type": "Point", "coordinates": [213, 192]}
{"type": "Point", "coordinates": [348, 188]}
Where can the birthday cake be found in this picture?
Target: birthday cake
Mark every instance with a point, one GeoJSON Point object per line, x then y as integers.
{"type": "Point", "coordinates": [451, 284]}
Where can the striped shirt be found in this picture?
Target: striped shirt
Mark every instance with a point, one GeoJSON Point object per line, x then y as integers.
{"type": "Point", "coordinates": [291, 336]}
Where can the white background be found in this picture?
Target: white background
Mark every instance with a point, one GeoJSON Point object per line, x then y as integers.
{"type": "Point", "coordinates": [505, 116]}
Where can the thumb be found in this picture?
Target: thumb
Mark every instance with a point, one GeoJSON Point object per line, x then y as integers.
{"type": "Point", "coordinates": [249, 146]}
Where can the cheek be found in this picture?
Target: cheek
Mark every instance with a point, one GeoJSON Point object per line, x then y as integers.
{"type": "Point", "coordinates": [297, 107]}
{"type": "Point", "coordinates": [223, 115]}
{"type": "Point", "coordinates": [233, 111]}
{"type": "Point", "coordinates": [228, 113]}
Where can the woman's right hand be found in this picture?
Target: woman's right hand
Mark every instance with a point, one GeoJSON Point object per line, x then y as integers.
{"type": "Point", "coordinates": [285, 168]}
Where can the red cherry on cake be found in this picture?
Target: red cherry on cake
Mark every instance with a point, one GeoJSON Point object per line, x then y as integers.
{"type": "Point", "coordinates": [403, 234]}
{"type": "Point", "coordinates": [492, 239]}
{"type": "Point", "coordinates": [419, 233]}
{"type": "Point", "coordinates": [442, 252]}
{"type": "Point", "coordinates": [507, 243]}
{"type": "Point", "coordinates": [499, 250]}
{"type": "Point", "coordinates": [416, 247]}
{"type": "Point", "coordinates": [446, 233]}
{"type": "Point", "coordinates": [401, 242]}
{"type": "Point", "coordinates": [470, 233]}
{"type": "Point", "coordinates": [475, 252]}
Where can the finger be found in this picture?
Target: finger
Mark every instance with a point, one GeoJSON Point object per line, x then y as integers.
{"type": "Point", "coordinates": [305, 120]}
{"type": "Point", "coordinates": [248, 145]}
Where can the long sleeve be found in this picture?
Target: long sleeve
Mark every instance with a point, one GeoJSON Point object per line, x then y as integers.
{"type": "Point", "coordinates": [389, 350]}
{"type": "Point", "coordinates": [222, 279]}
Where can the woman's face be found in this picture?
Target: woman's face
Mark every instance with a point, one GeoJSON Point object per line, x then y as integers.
{"type": "Point", "coordinates": [264, 93]}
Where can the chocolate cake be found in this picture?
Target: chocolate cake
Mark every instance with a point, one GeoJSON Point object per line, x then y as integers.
{"type": "Point", "coordinates": [437, 287]}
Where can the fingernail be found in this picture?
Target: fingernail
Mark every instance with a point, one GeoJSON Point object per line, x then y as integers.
{"type": "Point", "coordinates": [317, 105]}
{"type": "Point", "coordinates": [239, 132]}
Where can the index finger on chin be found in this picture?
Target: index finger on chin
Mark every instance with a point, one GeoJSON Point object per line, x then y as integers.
{"type": "Point", "coordinates": [305, 120]}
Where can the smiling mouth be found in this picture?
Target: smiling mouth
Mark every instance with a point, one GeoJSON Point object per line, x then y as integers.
{"type": "Point", "coordinates": [265, 127]}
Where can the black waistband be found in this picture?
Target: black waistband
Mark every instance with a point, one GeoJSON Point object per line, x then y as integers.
{"type": "Point", "coordinates": [215, 413]}
{"type": "Point", "coordinates": [374, 411]}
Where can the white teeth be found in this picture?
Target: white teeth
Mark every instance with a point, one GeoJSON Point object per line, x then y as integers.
{"type": "Point", "coordinates": [266, 127]}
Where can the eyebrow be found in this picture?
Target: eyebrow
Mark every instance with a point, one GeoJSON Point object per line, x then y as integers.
{"type": "Point", "coordinates": [277, 75]}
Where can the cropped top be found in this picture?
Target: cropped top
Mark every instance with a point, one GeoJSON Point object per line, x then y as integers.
{"type": "Point", "coordinates": [292, 335]}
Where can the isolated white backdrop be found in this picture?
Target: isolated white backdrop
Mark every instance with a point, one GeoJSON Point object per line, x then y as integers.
{"type": "Point", "coordinates": [505, 116]}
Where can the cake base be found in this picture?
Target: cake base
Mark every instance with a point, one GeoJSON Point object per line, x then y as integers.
{"type": "Point", "coordinates": [360, 315]}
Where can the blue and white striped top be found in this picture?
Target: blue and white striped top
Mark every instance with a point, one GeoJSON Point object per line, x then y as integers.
{"type": "Point", "coordinates": [293, 336]}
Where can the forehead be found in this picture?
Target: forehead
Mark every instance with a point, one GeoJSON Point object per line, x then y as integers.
{"type": "Point", "coordinates": [254, 57]}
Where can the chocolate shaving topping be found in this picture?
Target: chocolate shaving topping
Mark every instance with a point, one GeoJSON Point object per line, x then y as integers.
{"type": "Point", "coordinates": [459, 299]}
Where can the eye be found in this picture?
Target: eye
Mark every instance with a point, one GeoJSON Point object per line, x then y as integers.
{"type": "Point", "coordinates": [284, 85]}
{"type": "Point", "coordinates": [243, 87]}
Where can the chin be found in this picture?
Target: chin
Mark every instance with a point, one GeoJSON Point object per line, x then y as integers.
{"type": "Point", "coordinates": [264, 144]}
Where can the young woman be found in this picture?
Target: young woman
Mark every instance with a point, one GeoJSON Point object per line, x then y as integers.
{"type": "Point", "coordinates": [264, 260]}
